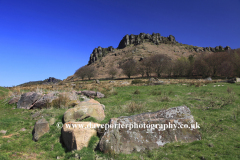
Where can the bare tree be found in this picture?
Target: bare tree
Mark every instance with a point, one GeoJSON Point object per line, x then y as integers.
{"type": "Point", "coordinates": [148, 66]}
{"type": "Point", "coordinates": [112, 72]}
{"type": "Point", "coordinates": [159, 63]}
{"type": "Point", "coordinates": [90, 72]}
{"type": "Point", "coordinates": [235, 59]}
{"type": "Point", "coordinates": [129, 68]}
{"type": "Point", "coordinates": [201, 66]}
{"type": "Point", "coordinates": [181, 67]}
{"type": "Point", "coordinates": [81, 72]}
{"type": "Point", "coordinates": [141, 69]}
{"type": "Point", "coordinates": [214, 61]}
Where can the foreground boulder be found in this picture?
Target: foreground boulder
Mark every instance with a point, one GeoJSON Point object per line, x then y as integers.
{"type": "Point", "coordinates": [28, 99]}
{"type": "Point", "coordinates": [83, 110]}
{"type": "Point", "coordinates": [45, 100]}
{"type": "Point", "coordinates": [92, 94]}
{"type": "Point", "coordinates": [40, 128]}
{"type": "Point", "coordinates": [126, 140]}
{"type": "Point", "coordinates": [14, 100]}
{"type": "Point", "coordinates": [77, 135]}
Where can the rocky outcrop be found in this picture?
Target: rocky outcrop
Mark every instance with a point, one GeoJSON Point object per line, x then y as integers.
{"type": "Point", "coordinates": [28, 99]}
{"type": "Point", "coordinates": [122, 139]}
{"type": "Point", "coordinates": [99, 53]}
{"type": "Point", "coordinates": [83, 110]}
{"type": "Point", "coordinates": [92, 94]}
{"type": "Point", "coordinates": [77, 135]}
{"type": "Point", "coordinates": [155, 38]}
{"type": "Point", "coordinates": [52, 80]}
{"type": "Point", "coordinates": [34, 100]}
{"type": "Point", "coordinates": [45, 100]}
{"type": "Point", "coordinates": [41, 127]}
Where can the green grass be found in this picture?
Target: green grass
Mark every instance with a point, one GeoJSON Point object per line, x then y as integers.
{"type": "Point", "coordinates": [216, 109]}
{"type": "Point", "coordinates": [3, 92]}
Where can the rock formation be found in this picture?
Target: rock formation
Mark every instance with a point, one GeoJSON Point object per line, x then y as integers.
{"type": "Point", "coordinates": [99, 53]}
{"type": "Point", "coordinates": [155, 38]}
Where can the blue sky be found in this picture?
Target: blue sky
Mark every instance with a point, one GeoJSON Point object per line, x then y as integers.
{"type": "Point", "coordinates": [53, 38]}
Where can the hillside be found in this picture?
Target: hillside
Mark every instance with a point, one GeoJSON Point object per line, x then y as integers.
{"type": "Point", "coordinates": [3, 92]}
{"type": "Point", "coordinates": [141, 46]}
{"type": "Point", "coordinates": [50, 80]}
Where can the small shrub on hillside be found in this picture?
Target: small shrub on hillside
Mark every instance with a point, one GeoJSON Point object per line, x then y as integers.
{"type": "Point", "coordinates": [61, 102]}
{"type": "Point", "coordinates": [137, 92]}
{"type": "Point", "coordinates": [134, 107]}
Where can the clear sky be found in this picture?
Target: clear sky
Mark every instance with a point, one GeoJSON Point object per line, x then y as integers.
{"type": "Point", "coordinates": [53, 38]}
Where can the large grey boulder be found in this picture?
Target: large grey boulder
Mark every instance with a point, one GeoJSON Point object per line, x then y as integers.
{"type": "Point", "coordinates": [28, 99]}
{"type": "Point", "coordinates": [45, 100]}
{"type": "Point", "coordinates": [92, 94]}
{"type": "Point", "coordinates": [40, 128]}
{"type": "Point", "coordinates": [119, 139]}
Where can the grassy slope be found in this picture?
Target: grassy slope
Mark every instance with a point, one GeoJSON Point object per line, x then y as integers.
{"type": "Point", "coordinates": [214, 108]}
{"type": "Point", "coordinates": [136, 52]}
{"type": "Point", "coordinates": [3, 92]}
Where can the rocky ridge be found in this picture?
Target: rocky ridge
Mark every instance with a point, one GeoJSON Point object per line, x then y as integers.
{"type": "Point", "coordinates": [155, 38]}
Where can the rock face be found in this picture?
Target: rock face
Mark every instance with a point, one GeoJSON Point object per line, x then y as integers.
{"type": "Point", "coordinates": [14, 100]}
{"type": "Point", "coordinates": [124, 140]}
{"type": "Point", "coordinates": [155, 38]}
{"type": "Point", "coordinates": [41, 127]}
{"type": "Point", "coordinates": [142, 37]}
{"type": "Point", "coordinates": [42, 102]}
{"type": "Point", "coordinates": [83, 110]}
{"type": "Point", "coordinates": [52, 80]}
{"type": "Point", "coordinates": [28, 99]}
{"type": "Point", "coordinates": [98, 53]}
{"type": "Point", "coordinates": [77, 135]}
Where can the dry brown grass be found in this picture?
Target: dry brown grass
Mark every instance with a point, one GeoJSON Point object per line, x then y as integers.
{"type": "Point", "coordinates": [62, 101]}
{"type": "Point", "coordinates": [133, 107]}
